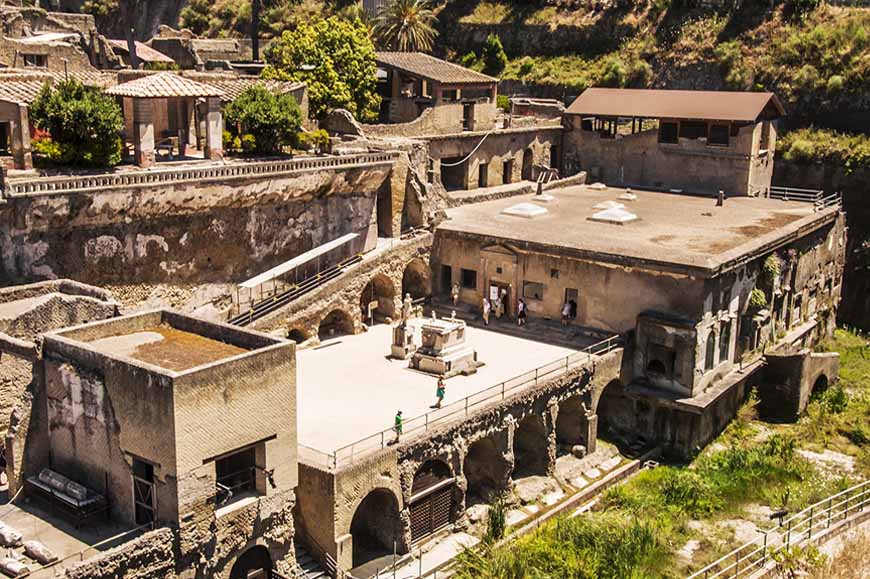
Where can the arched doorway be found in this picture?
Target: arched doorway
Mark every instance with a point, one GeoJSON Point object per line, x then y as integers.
{"type": "Point", "coordinates": [819, 386]}
{"type": "Point", "coordinates": [615, 413]}
{"type": "Point", "coordinates": [376, 528]}
{"type": "Point", "coordinates": [296, 335]}
{"type": "Point", "coordinates": [417, 280]}
{"type": "Point", "coordinates": [255, 563]}
{"type": "Point", "coordinates": [486, 471]}
{"type": "Point", "coordinates": [531, 447]}
{"type": "Point", "coordinates": [571, 423]}
{"type": "Point", "coordinates": [336, 323]}
{"type": "Point", "coordinates": [380, 294]}
{"type": "Point", "coordinates": [432, 495]}
{"type": "Point", "coordinates": [528, 161]}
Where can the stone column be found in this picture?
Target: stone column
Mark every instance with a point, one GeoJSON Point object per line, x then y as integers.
{"type": "Point", "coordinates": [214, 128]}
{"type": "Point", "coordinates": [181, 120]}
{"type": "Point", "coordinates": [21, 152]}
{"type": "Point", "coordinates": [143, 132]}
{"type": "Point", "coordinates": [591, 433]}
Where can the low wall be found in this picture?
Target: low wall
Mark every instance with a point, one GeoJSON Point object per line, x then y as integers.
{"type": "Point", "coordinates": [198, 223]}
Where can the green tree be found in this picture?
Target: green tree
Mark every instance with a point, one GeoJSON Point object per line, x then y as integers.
{"type": "Point", "coordinates": [195, 16]}
{"type": "Point", "coordinates": [336, 58]}
{"type": "Point", "coordinates": [406, 26]}
{"type": "Point", "coordinates": [272, 120]}
{"type": "Point", "coordinates": [84, 124]}
{"type": "Point", "coordinates": [493, 56]}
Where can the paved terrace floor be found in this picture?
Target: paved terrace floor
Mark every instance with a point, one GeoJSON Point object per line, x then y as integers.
{"type": "Point", "coordinates": [349, 389]}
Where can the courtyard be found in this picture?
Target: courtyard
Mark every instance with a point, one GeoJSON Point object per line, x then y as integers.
{"type": "Point", "coordinates": [350, 389]}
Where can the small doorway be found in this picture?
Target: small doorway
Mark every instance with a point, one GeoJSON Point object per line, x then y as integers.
{"type": "Point", "coordinates": [507, 171]}
{"type": "Point", "coordinates": [528, 160]}
{"type": "Point", "coordinates": [501, 291]}
{"type": "Point", "coordinates": [467, 116]}
{"type": "Point", "coordinates": [571, 295]}
{"type": "Point", "coordinates": [5, 136]}
{"type": "Point", "coordinates": [446, 278]}
{"type": "Point", "coordinates": [483, 174]}
{"type": "Point", "coordinates": [554, 157]}
{"type": "Point", "coordinates": [431, 504]}
{"type": "Point", "coordinates": [143, 492]}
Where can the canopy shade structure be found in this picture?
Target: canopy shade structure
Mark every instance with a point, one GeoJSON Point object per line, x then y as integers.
{"type": "Point", "coordinates": [297, 261]}
{"type": "Point", "coordinates": [677, 104]}
{"type": "Point", "coordinates": [164, 85]}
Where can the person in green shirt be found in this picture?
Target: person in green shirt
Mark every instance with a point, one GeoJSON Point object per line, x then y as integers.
{"type": "Point", "coordinates": [398, 426]}
{"type": "Point", "coordinates": [439, 393]}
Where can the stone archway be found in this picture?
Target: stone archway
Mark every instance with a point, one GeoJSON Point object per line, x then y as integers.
{"type": "Point", "coordinates": [572, 424]}
{"type": "Point", "coordinates": [820, 385]}
{"type": "Point", "coordinates": [615, 411]}
{"type": "Point", "coordinates": [417, 279]}
{"type": "Point", "coordinates": [296, 335]}
{"type": "Point", "coordinates": [376, 528]}
{"type": "Point", "coordinates": [255, 563]}
{"type": "Point", "coordinates": [382, 292]}
{"type": "Point", "coordinates": [531, 447]}
{"type": "Point", "coordinates": [486, 470]}
{"type": "Point", "coordinates": [335, 323]}
{"type": "Point", "coordinates": [528, 162]}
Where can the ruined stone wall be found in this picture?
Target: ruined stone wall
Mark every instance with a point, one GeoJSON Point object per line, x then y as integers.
{"type": "Point", "coordinates": [306, 313]}
{"type": "Point", "coordinates": [518, 150]}
{"type": "Point", "coordinates": [145, 557]}
{"type": "Point", "coordinates": [691, 165]}
{"type": "Point", "coordinates": [200, 231]}
{"type": "Point", "coordinates": [790, 378]}
{"type": "Point", "coordinates": [443, 119]}
{"type": "Point", "coordinates": [56, 53]}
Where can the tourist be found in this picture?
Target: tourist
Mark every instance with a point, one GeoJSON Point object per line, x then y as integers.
{"type": "Point", "coordinates": [398, 426]}
{"type": "Point", "coordinates": [499, 308]}
{"type": "Point", "coordinates": [486, 309]}
{"type": "Point", "coordinates": [454, 294]}
{"type": "Point", "coordinates": [521, 312]}
{"type": "Point", "coordinates": [566, 311]}
{"type": "Point", "coordinates": [439, 392]}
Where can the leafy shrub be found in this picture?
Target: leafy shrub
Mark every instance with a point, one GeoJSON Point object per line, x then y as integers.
{"type": "Point", "coordinates": [526, 67]}
{"type": "Point", "coordinates": [493, 56]}
{"type": "Point", "coordinates": [469, 59]}
{"type": "Point", "coordinates": [757, 300]}
{"type": "Point", "coordinates": [496, 521]}
{"type": "Point", "coordinates": [811, 145]}
{"type": "Point", "coordinates": [835, 399]}
{"type": "Point", "coordinates": [315, 140]}
{"type": "Point", "coordinates": [84, 125]}
{"type": "Point", "coordinates": [503, 102]}
{"type": "Point", "coordinates": [266, 122]}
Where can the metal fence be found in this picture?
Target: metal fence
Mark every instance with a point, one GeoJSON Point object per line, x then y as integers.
{"type": "Point", "coordinates": [348, 454]}
{"type": "Point", "coordinates": [818, 198]}
{"type": "Point", "coordinates": [795, 530]}
{"type": "Point", "coordinates": [190, 173]}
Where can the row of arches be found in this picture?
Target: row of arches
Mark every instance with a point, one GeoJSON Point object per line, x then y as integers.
{"type": "Point", "coordinates": [376, 527]}
{"type": "Point", "coordinates": [381, 295]}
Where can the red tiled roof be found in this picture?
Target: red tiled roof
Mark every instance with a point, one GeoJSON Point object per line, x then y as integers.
{"type": "Point", "coordinates": [163, 85]}
{"type": "Point", "coordinates": [431, 68]}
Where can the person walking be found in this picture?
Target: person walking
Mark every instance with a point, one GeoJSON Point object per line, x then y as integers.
{"type": "Point", "coordinates": [499, 308]}
{"type": "Point", "coordinates": [521, 312]}
{"type": "Point", "coordinates": [397, 427]}
{"type": "Point", "coordinates": [566, 311]}
{"type": "Point", "coordinates": [439, 392]}
{"type": "Point", "coordinates": [486, 309]}
{"type": "Point", "coordinates": [454, 294]}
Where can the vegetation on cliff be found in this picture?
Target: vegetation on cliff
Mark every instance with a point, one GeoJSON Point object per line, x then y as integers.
{"type": "Point", "coordinates": [812, 145]}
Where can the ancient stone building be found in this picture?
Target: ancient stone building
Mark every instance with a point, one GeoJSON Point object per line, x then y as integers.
{"type": "Point", "coordinates": [694, 141]}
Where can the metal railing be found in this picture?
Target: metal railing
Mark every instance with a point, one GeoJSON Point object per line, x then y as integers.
{"type": "Point", "coordinates": [817, 197]}
{"type": "Point", "coordinates": [350, 453]}
{"type": "Point", "coordinates": [190, 173]}
{"type": "Point", "coordinates": [796, 530]}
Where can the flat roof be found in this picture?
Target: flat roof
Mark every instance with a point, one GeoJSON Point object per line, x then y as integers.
{"type": "Point", "coordinates": [163, 340]}
{"type": "Point", "coordinates": [674, 231]}
{"type": "Point", "coordinates": [676, 104]}
{"type": "Point", "coordinates": [348, 388]}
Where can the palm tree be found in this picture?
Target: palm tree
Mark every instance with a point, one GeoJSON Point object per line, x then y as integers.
{"type": "Point", "coordinates": [405, 25]}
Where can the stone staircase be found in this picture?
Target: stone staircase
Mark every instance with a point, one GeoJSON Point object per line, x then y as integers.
{"type": "Point", "coordinates": [538, 329]}
{"type": "Point", "coordinates": [307, 567]}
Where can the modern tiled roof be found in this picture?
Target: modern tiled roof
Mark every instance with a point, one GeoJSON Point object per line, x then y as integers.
{"type": "Point", "coordinates": [233, 87]}
{"type": "Point", "coordinates": [431, 68]}
{"type": "Point", "coordinates": [23, 91]}
{"type": "Point", "coordinates": [144, 52]}
{"type": "Point", "coordinates": [22, 85]}
{"type": "Point", "coordinates": [162, 85]}
{"type": "Point", "coordinates": [675, 104]}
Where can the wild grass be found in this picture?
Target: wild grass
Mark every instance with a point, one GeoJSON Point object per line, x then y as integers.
{"type": "Point", "coordinates": [812, 145]}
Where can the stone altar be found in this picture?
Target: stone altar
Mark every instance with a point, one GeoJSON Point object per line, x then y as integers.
{"type": "Point", "coordinates": [403, 341]}
{"type": "Point", "coordinates": [443, 350]}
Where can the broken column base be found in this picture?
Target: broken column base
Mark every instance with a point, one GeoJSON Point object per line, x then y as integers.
{"type": "Point", "coordinates": [462, 361]}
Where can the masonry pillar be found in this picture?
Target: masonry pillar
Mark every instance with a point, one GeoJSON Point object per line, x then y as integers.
{"type": "Point", "coordinates": [181, 120]}
{"type": "Point", "coordinates": [214, 128]}
{"type": "Point", "coordinates": [143, 132]}
{"type": "Point", "coordinates": [591, 433]}
{"type": "Point", "coordinates": [21, 152]}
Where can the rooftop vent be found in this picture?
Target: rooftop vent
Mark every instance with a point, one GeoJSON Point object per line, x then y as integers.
{"type": "Point", "coordinates": [608, 205]}
{"type": "Point", "coordinates": [527, 210]}
{"type": "Point", "coordinates": [617, 216]}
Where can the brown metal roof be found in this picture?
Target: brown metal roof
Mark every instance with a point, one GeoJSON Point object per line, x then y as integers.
{"type": "Point", "coordinates": [676, 104]}
{"type": "Point", "coordinates": [163, 85]}
{"type": "Point", "coordinates": [431, 68]}
{"type": "Point", "coordinates": [143, 52]}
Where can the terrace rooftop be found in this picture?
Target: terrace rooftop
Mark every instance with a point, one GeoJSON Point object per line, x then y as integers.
{"type": "Point", "coordinates": [674, 229]}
